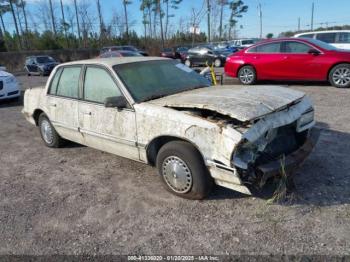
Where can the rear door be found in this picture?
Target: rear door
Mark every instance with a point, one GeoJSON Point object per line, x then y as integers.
{"type": "Point", "coordinates": [298, 64]}
{"type": "Point", "coordinates": [267, 59]}
{"type": "Point", "coordinates": [63, 102]}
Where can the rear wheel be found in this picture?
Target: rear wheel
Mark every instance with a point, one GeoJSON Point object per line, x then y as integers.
{"type": "Point", "coordinates": [48, 132]}
{"type": "Point", "coordinates": [340, 76]}
{"type": "Point", "coordinates": [183, 171]}
{"type": "Point", "coordinates": [188, 62]}
{"type": "Point", "coordinates": [247, 75]}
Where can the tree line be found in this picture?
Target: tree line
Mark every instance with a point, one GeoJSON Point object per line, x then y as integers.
{"type": "Point", "coordinates": [53, 24]}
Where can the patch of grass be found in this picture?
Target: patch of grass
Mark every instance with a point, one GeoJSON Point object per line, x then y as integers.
{"type": "Point", "coordinates": [280, 192]}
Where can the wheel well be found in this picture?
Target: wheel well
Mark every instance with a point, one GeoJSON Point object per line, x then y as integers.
{"type": "Point", "coordinates": [36, 114]}
{"type": "Point", "coordinates": [330, 69]}
{"type": "Point", "coordinates": [154, 146]}
{"type": "Point", "coordinates": [239, 68]}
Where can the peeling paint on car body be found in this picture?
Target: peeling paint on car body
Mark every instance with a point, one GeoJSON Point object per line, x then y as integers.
{"type": "Point", "coordinates": [215, 120]}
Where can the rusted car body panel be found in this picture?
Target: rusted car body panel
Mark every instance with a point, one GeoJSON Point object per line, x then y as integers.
{"type": "Point", "coordinates": [231, 126]}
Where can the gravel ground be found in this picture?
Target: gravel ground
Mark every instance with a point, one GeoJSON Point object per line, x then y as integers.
{"type": "Point", "coordinates": [77, 200]}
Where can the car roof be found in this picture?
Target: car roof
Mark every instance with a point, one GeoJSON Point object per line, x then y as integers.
{"type": "Point", "coordinates": [282, 39]}
{"type": "Point", "coordinates": [115, 60]}
{"type": "Point", "coordinates": [323, 32]}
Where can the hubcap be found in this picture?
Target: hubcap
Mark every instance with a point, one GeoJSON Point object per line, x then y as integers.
{"type": "Point", "coordinates": [176, 174]}
{"type": "Point", "coordinates": [188, 63]}
{"type": "Point", "coordinates": [217, 63]}
{"type": "Point", "coordinates": [341, 76]}
{"type": "Point", "coordinates": [246, 76]}
{"type": "Point", "coordinates": [46, 131]}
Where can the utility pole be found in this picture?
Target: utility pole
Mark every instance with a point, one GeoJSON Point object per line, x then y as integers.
{"type": "Point", "coordinates": [298, 24]}
{"type": "Point", "coordinates": [312, 16]}
{"type": "Point", "coordinates": [260, 16]}
{"type": "Point", "coordinates": [208, 13]}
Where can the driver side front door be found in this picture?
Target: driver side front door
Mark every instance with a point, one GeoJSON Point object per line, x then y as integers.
{"type": "Point", "coordinates": [108, 129]}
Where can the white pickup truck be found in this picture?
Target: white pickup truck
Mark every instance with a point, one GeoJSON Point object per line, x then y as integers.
{"type": "Point", "coordinates": [162, 113]}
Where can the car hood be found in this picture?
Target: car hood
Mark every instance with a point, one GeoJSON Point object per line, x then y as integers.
{"type": "Point", "coordinates": [241, 103]}
{"type": "Point", "coordinates": [5, 74]}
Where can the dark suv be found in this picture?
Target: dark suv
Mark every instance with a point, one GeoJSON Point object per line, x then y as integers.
{"type": "Point", "coordinates": [40, 65]}
{"type": "Point", "coordinates": [203, 55]}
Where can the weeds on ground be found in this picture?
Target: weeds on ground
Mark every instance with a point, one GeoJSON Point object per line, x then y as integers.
{"type": "Point", "coordinates": [280, 193]}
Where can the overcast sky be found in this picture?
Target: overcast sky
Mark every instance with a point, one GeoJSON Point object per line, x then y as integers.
{"type": "Point", "coordinates": [278, 15]}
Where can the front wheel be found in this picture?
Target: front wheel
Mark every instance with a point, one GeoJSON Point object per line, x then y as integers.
{"type": "Point", "coordinates": [247, 75]}
{"type": "Point", "coordinates": [340, 76]}
{"type": "Point", "coordinates": [48, 133]}
{"type": "Point", "coordinates": [183, 171]}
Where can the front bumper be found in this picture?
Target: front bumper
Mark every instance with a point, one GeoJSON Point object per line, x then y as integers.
{"type": "Point", "coordinates": [230, 177]}
{"type": "Point", "coordinates": [9, 91]}
{"type": "Point", "coordinates": [292, 161]}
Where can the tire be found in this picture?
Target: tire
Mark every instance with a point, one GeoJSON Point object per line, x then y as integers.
{"type": "Point", "coordinates": [339, 76]}
{"type": "Point", "coordinates": [247, 75]}
{"type": "Point", "coordinates": [217, 62]}
{"type": "Point", "coordinates": [188, 62]}
{"type": "Point", "coordinates": [193, 180]}
{"type": "Point", "coordinates": [50, 138]}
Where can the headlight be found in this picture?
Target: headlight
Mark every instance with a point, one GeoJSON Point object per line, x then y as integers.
{"type": "Point", "coordinates": [306, 118]}
{"type": "Point", "coordinates": [10, 80]}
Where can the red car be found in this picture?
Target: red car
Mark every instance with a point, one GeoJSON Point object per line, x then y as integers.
{"type": "Point", "coordinates": [291, 59]}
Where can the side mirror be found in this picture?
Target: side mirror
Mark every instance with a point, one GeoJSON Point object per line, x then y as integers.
{"type": "Point", "coordinates": [116, 101]}
{"type": "Point", "coordinates": [313, 51]}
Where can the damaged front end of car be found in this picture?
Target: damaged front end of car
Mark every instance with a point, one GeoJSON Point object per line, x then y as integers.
{"type": "Point", "coordinates": [278, 143]}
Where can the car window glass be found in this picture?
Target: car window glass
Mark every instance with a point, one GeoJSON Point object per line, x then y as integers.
{"type": "Point", "coordinates": [344, 38]}
{"type": "Point", "coordinates": [99, 85]}
{"type": "Point", "coordinates": [266, 48]}
{"type": "Point", "coordinates": [68, 85]}
{"type": "Point", "coordinates": [296, 47]}
{"type": "Point", "coordinates": [54, 82]}
{"type": "Point", "coordinates": [326, 37]}
{"type": "Point", "coordinates": [308, 36]}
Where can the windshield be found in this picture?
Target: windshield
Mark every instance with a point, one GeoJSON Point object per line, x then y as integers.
{"type": "Point", "coordinates": [321, 44]}
{"type": "Point", "coordinates": [44, 59]}
{"type": "Point", "coordinates": [153, 79]}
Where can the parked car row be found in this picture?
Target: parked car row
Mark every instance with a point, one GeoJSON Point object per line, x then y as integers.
{"type": "Point", "coordinates": [123, 48]}
{"type": "Point", "coordinates": [303, 59]}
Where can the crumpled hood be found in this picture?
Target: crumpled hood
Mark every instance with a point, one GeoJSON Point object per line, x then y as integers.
{"type": "Point", "coordinates": [241, 103]}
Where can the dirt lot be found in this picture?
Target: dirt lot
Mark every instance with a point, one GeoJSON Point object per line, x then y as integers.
{"type": "Point", "coordinates": [77, 200]}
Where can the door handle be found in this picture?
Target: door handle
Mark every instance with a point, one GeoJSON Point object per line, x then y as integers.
{"type": "Point", "coordinates": [286, 57]}
{"type": "Point", "coordinates": [53, 105]}
{"type": "Point", "coordinates": [87, 113]}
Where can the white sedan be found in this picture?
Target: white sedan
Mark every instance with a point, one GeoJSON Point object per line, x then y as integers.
{"type": "Point", "coordinates": [162, 113]}
{"type": "Point", "coordinates": [9, 87]}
